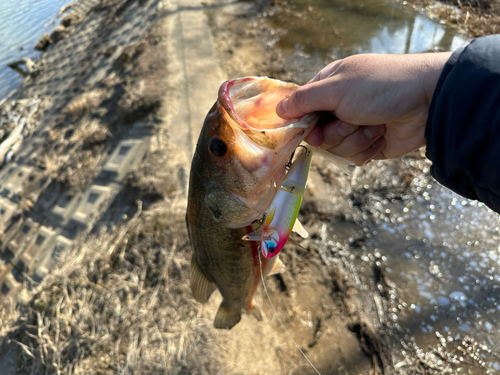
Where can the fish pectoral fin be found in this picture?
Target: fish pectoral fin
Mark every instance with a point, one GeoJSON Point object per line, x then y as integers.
{"type": "Point", "coordinates": [201, 287]}
{"type": "Point", "coordinates": [226, 318]}
{"type": "Point", "coordinates": [296, 244]}
{"type": "Point", "coordinates": [278, 267]}
{"type": "Point", "coordinates": [255, 311]}
{"type": "Point", "coordinates": [299, 229]}
{"type": "Point", "coordinates": [343, 164]}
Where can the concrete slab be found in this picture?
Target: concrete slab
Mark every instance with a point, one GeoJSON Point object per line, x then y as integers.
{"type": "Point", "coordinates": [195, 76]}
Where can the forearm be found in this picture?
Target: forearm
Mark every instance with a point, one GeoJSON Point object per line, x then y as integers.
{"type": "Point", "coordinates": [463, 126]}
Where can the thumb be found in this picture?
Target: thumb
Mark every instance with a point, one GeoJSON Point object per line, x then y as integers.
{"type": "Point", "coordinates": [313, 96]}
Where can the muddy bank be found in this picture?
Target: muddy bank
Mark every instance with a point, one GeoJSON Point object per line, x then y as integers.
{"type": "Point", "coordinates": [477, 18]}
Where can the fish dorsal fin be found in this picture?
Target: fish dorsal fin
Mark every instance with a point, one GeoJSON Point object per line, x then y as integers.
{"type": "Point", "coordinates": [278, 267]}
{"type": "Point", "coordinates": [226, 318]}
{"type": "Point", "coordinates": [255, 311]}
{"type": "Point", "coordinates": [299, 229]}
{"type": "Point", "coordinates": [201, 287]}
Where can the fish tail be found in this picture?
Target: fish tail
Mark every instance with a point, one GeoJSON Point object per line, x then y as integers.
{"type": "Point", "coordinates": [226, 318]}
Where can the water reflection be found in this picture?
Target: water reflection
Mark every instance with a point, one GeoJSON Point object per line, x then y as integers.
{"type": "Point", "coordinates": [22, 23]}
{"type": "Point", "coordinates": [444, 252]}
{"type": "Point", "coordinates": [313, 33]}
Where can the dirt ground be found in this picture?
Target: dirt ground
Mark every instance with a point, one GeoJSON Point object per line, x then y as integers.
{"type": "Point", "coordinates": [119, 302]}
{"type": "Point", "coordinates": [474, 17]}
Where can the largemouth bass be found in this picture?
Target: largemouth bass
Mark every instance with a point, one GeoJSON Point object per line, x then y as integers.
{"type": "Point", "coordinates": [239, 163]}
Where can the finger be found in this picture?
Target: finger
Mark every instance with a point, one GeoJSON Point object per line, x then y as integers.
{"type": "Point", "coordinates": [380, 155]}
{"type": "Point", "coordinates": [358, 141]}
{"type": "Point", "coordinates": [315, 137]}
{"type": "Point", "coordinates": [314, 79]}
{"type": "Point", "coordinates": [372, 152]}
{"type": "Point", "coordinates": [315, 96]}
{"type": "Point", "coordinates": [335, 132]}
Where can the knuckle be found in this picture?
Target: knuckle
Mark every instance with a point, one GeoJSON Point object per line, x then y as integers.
{"type": "Point", "coordinates": [299, 99]}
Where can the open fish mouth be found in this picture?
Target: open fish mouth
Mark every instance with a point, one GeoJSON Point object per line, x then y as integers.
{"type": "Point", "coordinates": [252, 101]}
{"type": "Point", "coordinates": [260, 144]}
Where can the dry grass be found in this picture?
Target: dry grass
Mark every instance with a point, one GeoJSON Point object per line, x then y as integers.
{"type": "Point", "coordinates": [144, 86]}
{"type": "Point", "coordinates": [116, 305]}
{"type": "Point", "coordinates": [86, 102]}
{"type": "Point", "coordinates": [475, 17]}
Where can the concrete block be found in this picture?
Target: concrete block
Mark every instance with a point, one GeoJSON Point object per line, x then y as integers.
{"type": "Point", "coordinates": [20, 240]}
{"type": "Point", "coordinates": [24, 265]}
{"type": "Point", "coordinates": [126, 155]}
{"type": "Point", "coordinates": [94, 201]}
{"type": "Point", "coordinates": [9, 286]}
{"type": "Point", "coordinates": [14, 183]}
{"type": "Point", "coordinates": [62, 211]}
{"type": "Point", "coordinates": [61, 245]}
{"type": "Point", "coordinates": [40, 273]}
{"type": "Point", "coordinates": [39, 244]}
{"type": "Point", "coordinates": [7, 210]}
{"type": "Point", "coordinates": [50, 256]}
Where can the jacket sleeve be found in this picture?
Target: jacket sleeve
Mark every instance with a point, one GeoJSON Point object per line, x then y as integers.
{"type": "Point", "coordinates": [463, 127]}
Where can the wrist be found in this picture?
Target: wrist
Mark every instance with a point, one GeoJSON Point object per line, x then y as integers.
{"type": "Point", "coordinates": [433, 66]}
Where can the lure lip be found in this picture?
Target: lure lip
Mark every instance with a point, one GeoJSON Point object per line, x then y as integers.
{"type": "Point", "coordinates": [276, 240]}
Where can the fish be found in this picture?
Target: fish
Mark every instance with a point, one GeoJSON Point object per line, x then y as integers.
{"type": "Point", "coordinates": [237, 168]}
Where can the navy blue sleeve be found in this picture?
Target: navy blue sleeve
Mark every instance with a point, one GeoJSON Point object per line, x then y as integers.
{"type": "Point", "coordinates": [463, 127]}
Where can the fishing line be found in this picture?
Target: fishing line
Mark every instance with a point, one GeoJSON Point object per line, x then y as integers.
{"type": "Point", "coordinates": [279, 320]}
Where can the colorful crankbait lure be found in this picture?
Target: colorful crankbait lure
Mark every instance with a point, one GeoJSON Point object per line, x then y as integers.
{"type": "Point", "coordinates": [281, 217]}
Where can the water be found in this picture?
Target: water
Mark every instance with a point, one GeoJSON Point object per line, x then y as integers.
{"type": "Point", "coordinates": [444, 250]}
{"type": "Point", "coordinates": [313, 33]}
{"type": "Point", "coordinates": [22, 23]}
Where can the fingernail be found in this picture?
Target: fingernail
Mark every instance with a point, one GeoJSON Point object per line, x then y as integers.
{"type": "Point", "coordinates": [368, 134]}
{"type": "Point", "coordinates": [282, 105]}
{"type": "Point", "coordinates": [344, 129]}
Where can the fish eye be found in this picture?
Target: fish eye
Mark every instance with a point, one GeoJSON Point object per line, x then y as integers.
{"type": "Point", "coordinates": [271, 250]}
{"type": "Point", "coordinates": [217, 147]}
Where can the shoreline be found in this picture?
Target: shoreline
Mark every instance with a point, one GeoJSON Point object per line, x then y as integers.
{"type": "Point", "coordinates": [475, 18]}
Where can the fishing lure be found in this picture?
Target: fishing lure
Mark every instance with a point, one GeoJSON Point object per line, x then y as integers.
{"type": "Point", "coordinates": [281, 218]}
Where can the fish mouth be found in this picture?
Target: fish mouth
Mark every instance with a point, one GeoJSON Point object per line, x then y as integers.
{"type": "Point", "coordinates": [251, 103]}
{"type": "Point", "coordinates": [261, 145]}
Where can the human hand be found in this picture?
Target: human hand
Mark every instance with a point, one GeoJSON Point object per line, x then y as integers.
{"type": "Point", "coordinates": [381, 103]}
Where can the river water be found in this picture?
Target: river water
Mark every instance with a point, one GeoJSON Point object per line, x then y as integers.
{"type": "Point", "coordinates": [440, 249]}
{"type": "Point", "coordinates": [22, 23]}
